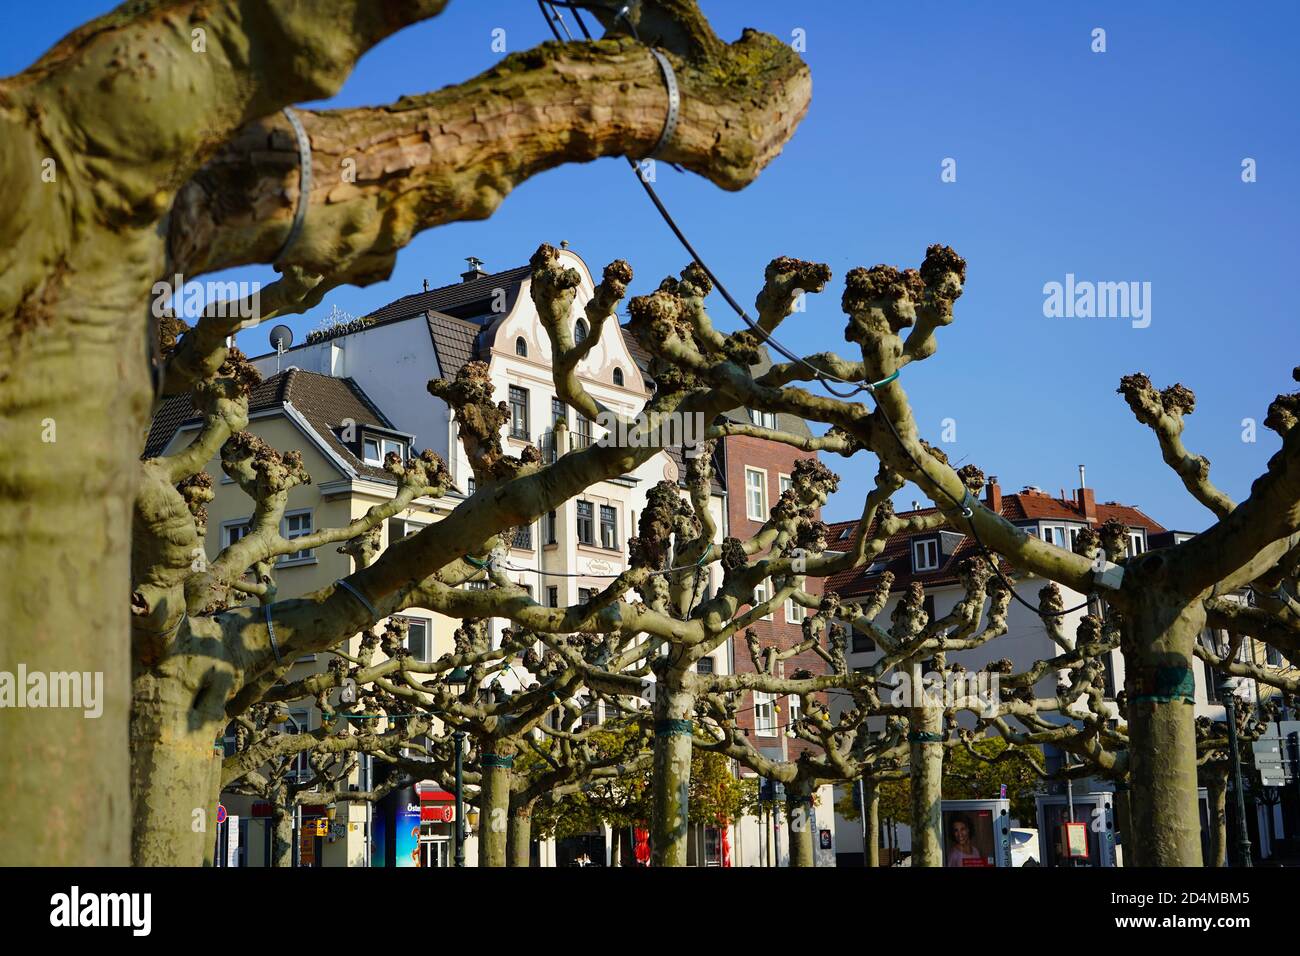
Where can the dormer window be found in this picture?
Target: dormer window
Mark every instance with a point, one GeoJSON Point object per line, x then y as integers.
{"type": "Point", "coordinates": [1136, 543]}
{"type": "Point", "coordinates": [374, 448]}
{"type": "Point", "coordinates": [925, 554]}
{"type": "Point", "coordinates": [618, 376]}
{"type": "Point", "coordinates": [763, 419]}
{"type": "Point", "coordinates": [521, 347]}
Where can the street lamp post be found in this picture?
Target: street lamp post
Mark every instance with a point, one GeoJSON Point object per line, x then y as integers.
{"type": "Point", "coordinates": [459, 737]}
{"type": "Point", "coordinates": [1226, 687]}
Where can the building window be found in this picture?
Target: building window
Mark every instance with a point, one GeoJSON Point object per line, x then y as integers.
{"type": "Point", "coordinates": [586, 523]}
{"type": "Point", "coordinates": [579, 331]}
{"type": "Point", "coordinates": [608, 527]}
{"type": "Point", "coordinates": [234, 531]}
{"type": "Point", "coordinates": [1272, 656]}
{"type": "Point", "coordinates": [374, 450]}
{"type": "Point", "coordinates": [521, 347]}
{"type": "Point", "coordinates": [796, 709]}
{"type": "Point", "coordinates": [784, 483]}
{"type": "Point", "coordinates": [471, 485]}
{"type": "Point", "coordinates": [764, 714]}
{"type": "Point", "coordinates": [524, 537]}
{"type": "Point", "coordinates": [518, 412]}
{"type": "Point", "coordinates": [1136, 543]}
{"type": "Point", "coordinates": [559, 412]}
{"type": "Point", "coordinates": [1073, 535]}
{"type": "Point", "coordinates": [761, 593]}
{"type": "Point", "coordinates": [583, 437]}
{"type": "Point", "coordinates": [1054, 534]}
{"type": "Point", "coordinates": [862, 644]}
{"type": "Point", "coordinates": [618, 376]}
{"type": "Point", "coordinates": [296, 524]}
{"type": "Point", "coordinates": [417, 638]}
{"type": "Point", "coordinates": [585, 594]}
{"type": "Point", "coordinates": [794, 611]}
{"type": "Point", "coordinates": [755, 494]}
{"type": "Point", "coordinates": [704, 665]}
{"type": "Point", "coordinates": [925, 555]}
{"type": "Point", "coordinates": [550, 527]}
{"type": "Point", "coordinates": [763, 419]}
{"type": "Point", "coordinates": [927, 606]}
{"type": "Point", "coordinates": [553, 596]}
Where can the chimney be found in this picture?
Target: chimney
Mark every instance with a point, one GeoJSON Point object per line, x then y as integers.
{"type": "Point", "coordinates": [1087, 501]}
{"type": "Point", "coordinates": [993, 495]}
{"type": "Point", "coordinates": [475, 271]}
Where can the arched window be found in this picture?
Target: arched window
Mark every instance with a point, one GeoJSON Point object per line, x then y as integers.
{"type": "Point", "coordinates": [580, 331]}
{"type": "Point", "coordinates": [521, 347]}
{"type": "Point", "coordinates": [618, 376]}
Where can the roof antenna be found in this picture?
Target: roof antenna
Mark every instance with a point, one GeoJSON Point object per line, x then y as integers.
{"type": "Point", "coordinates": [426, 285]}
{"type": "Point", "coordinates": [281, 339]}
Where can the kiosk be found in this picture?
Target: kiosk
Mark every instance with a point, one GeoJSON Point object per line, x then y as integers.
{"type": "Point", "coordinates": [976, 833]}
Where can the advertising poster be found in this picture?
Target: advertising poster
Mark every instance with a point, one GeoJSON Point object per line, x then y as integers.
{"type": "Point", "coordinates": [968, 838]}
{"type": "Point", "coordinates": [379, 836]}
{"type": "Point", "coordinates": [406, 842]}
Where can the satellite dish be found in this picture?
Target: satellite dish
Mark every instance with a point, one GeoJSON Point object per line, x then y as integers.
{"type": "Point", "coordinates": [281, 337]}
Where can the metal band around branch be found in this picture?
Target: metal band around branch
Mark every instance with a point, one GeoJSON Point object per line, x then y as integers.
{"type": "Point", "coordinates": [359, 596]}
{"type": "Point", "coordinates": [1164, 685]}
{"type": "Point", "coordinates": [270, 631]}
{"type": "Point", "coordinates": [674, 102]}
{"type": "Point", "coordinates": [924, 737]}
{"type": "Point", "coordinates": [674, 728]}
{"type": "Point", "coordinates": [304, 181]}
{"type": "Point", "coordinates": [498, 762]}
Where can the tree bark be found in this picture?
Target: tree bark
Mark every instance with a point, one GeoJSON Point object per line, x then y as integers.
{"type": "Point", "coordinates": [798, 814]}
{"type": "Point", "coordinates": [282, 837]}
{"type": "Point", "coordinates": [520, 835]}
{"type": "Point", "coordinates": [1159, 635]}
{"type": "Point", "coordinates": [927, 785]}
{"type": "Point", "coordinates": [871, 823]}
{"type": "Point", "coordinates": [672, 775]}
{"type": "Point", "coordinates": [175, 771]}
{"type": "Point", "coordinates": [1217, 784]}
{"type": "Point", "coordinates": [494, 805]}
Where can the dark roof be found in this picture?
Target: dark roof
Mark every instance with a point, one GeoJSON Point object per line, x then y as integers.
{"type": "Point", "coordinates": [897, 555]}
{"type": "Point", "coordinates": [461, 299]}
{"type": "Point", "coordinates": [322, 400]}
{"type": "Point", "coordinates": [455, 340]}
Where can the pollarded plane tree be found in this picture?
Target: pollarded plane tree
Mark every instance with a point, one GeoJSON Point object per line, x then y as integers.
{"type": "Point", "coordinates": [1164, 598]}
{"type": "Point", "coordinates": [151, 143]}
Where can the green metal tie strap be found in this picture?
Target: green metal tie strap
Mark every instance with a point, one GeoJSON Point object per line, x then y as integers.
{"type": "Point", "coordinates": [674, 728]}
{"type": "Point", "coordinates": [498, 762]}
{"type": "Point", "coordinates": [1164, 685]}
{"type": "Point", "coordinates": [924, 737]}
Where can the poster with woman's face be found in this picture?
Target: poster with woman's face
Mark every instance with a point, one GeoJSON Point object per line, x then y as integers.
{"type": "Point", "coordinates": [968, 838]}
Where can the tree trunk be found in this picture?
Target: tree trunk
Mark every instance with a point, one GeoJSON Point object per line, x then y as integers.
{"type": "Point", "coordinates": [175, 770]}
{"type": "Point", "coordinates": [1123, 822]}
{"type": "Point", "coordinates": [1217, 784]}
{"type": "Point", "coordinates": [74, 401]}
{"type": "Point", "coordinates": [282, 837]}
{"type": "Point", "coordinates": [520, 835]}
{"type": "Point", "coordinates": [494, 805]}
{"type": "Point", "coordinates": [798, 814]}
{"type": "Point", "coordinates": [927, 785]}
{"type": "Point", "coordinates": [672, 776]}
{"type": "Point", "coordinates": [871, 823]}
{"type": "Point", "coordinates": [1158, 642]}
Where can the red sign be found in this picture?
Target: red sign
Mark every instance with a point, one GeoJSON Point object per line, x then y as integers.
{"type": "Point", "coordinates": [437, 814]}
{"type": "Point", "coordinates": [221, 813]}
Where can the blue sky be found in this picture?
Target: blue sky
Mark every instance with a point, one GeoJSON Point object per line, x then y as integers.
{"type": "Point", "coordinates": [1115, 166]}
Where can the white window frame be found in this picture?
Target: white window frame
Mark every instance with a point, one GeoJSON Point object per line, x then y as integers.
{"type": "Point", "coordinates": [794, 611]}
{"type": "Point", "coordinates": [385, 445]}
{"type": "Point", "coordinates": [919, 547]}
{"type": "Point", "coordinates": [428, 636]}
{"type": "Point", "coordinates": [762, 419]}
{"type": "Point", "coordinates": [228, 526]}
{"type": "Point", "coordinates": [764, 714]}
{"type": "Point", "coordinates": [1137, 543]}
{"type": "Point", "coordinates": [1054, 534]}
{"type": "Point", "coordinates": [297, 557]}
{"type": "Point", "coordinates": [783, 484]}
{"type": "Point", "coordinates": [795, 706]}
{"type": "Point", "coordinates": [750, 492]}
{"type": "Point", "coordinates": [762, 592]}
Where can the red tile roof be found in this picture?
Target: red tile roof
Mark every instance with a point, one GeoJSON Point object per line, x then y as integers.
{"type": "Point", "coordinates": [1018, 507]}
